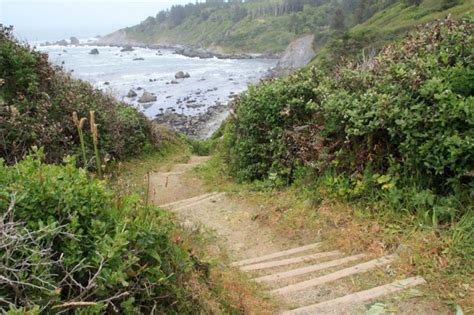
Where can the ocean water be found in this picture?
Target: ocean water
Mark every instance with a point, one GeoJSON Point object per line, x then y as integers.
{"type": "Point", "coordinates": [211, 80]}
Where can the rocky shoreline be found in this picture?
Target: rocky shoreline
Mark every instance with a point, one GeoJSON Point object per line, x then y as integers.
{"type": "Point", "coordinates": [183, 50]}
{"type": "Point", "coordinates": [200, 126]}
{"type": "Point", "coordinates": [203, 124]}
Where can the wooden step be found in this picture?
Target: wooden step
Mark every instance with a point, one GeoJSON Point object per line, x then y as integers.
{"type": "Point", "coordinates": [188, 200]}
{"type": "Point", "coordinates": [308, 269]}
{"type": "Point", "coordinates": [332, 306]}
{"type": "Point", "coordinates": [181, 207]}
{"type": "Point", "coordinates": [289, 261]}
{"type": "Point", "coordinates": [360, 268]}
{"type": "Point", "coordinates": [276, 255]}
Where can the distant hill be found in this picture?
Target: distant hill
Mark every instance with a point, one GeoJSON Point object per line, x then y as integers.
{"type": "Point", "coordinates": [268, 26]}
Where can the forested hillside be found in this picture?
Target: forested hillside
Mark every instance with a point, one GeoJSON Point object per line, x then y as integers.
{"type": "Point", "coordinates": [266, 26]}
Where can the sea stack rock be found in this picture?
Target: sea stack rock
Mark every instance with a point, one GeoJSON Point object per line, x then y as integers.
{"type": "Point", "coordinates": [147, 97]}
{"type": "Point", "coordinates": [181, 75]}
{"type": "Point", "coordinates": [127, 48]}
{"type": "Point", "coordinates": [61, 42]}
{"type": "Point", "coordinates": [94, 51]}
{"type": "Point", "coordinates": [74, 40]}
{"type": "Point", "coordinates": [131, 94]}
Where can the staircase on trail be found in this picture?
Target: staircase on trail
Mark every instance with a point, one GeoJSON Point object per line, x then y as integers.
{"type": "Point", "coordinates": [309, 279]}
{"type": "Point", "coordinates": [294, 275]}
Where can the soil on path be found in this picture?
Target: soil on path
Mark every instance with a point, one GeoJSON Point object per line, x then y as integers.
{"type": "Point", "coordinates": [231, 218]}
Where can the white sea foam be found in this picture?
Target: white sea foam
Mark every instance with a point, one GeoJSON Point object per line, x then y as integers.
{"type": "Point", "coordinates": [221, 76]}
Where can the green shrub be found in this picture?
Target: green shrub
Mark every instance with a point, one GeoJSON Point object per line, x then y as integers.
{"type": "Point", "coordinates": [408, 113]}
{"type": "Point", "coordinates": [36, 105]}
{"type": "Point", "coordinates": [69, 238]}
{"type": "Point", "coordinates": [413, 104]}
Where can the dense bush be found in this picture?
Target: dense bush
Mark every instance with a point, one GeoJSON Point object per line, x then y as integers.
{"type": "Point", "coordinates": [69, 238]}
{"type": "Point", "coordinates": [408, 112]}
{"type": "Point", "coordinates": [36, 105]}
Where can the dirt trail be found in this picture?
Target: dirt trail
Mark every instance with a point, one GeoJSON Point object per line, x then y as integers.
{"type": "Point", "coordinates": [229, 217]}
{"type": "Point", "coordinates": [304, 278]}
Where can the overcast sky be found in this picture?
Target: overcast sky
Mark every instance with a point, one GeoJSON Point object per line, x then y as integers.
{"type": "Point", "coordinates": [58, 19]}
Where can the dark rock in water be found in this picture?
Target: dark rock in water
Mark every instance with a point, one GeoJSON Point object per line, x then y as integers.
{"type": "Point", "coordinates": [139, 88]}
{"type": "Point", "coordinates": [169, 96]}
{"type": "Point", "coordinates": [147, 97]}
{"type": "Point", "coordinates": [106, 83]}
{"type": "Point", "coordinates": [94, 51]}
{"type": "Point", "coordinates": [62, 42]}
{"type": "Point", "coordinates": [174, 82]}
{"type": "Point", "coordinates": [74, 40]}
{"type": "Point", "coordinates": [147, 105]}
{"type": "Point", "coordinates": [127, 48]}
{"type": "Point", "coordinates": [181, 75]}
{"type": "Point", "coordinates": [136, 59]}
{"type": "Point", "coordinates": [64, 50]}
{"type": "Point", "coordinates": [131, 94]}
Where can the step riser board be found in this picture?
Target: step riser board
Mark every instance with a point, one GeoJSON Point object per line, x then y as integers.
{"type": "Point", "coordinates": [336, 275]}
{"type": "Point", "coordinates": [309, 269]}
{"type": "Point", "coordinates": [290, 261]}
{"type": "Point", "coordinates": [188, 200]}
{"type": "Point", "coordinates": [277, 255]}
{"type": "Point", "coordinates": [181, 207]}
{"type": "Point", "coordinates": [332, 306]}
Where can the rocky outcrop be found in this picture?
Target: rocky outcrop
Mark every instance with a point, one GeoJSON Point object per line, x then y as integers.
{"type": "Point", "coordinates": [62, 42]}
{"type": "Point", "coordinates": [94, 51]}
{"type": "Point", "coordinates": [127, 48]}
{"type": "Point", "coordinates": [131, 94]}
{"type": "Point", "coordinates": [181, 75]}
{"type": "Point", "coordinates": [147, 97]}
{"type": "Point", "coordinates": [298, 54]}
{"type": "Point", "coordinates": [197, 127]}
{"type": "Point", "coordinates": [74, 40]}
{"type": "Point", "coordinates": [204, 53]}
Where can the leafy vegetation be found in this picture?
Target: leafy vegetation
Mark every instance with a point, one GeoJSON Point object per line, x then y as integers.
{"type": "Point", "coordinates": [391, 135]}
{"type": "Point", "coordinates": [69, 241]}
{"type": "Point", "coordinates": [410, 107]}
{"type": "Point", "coordinates": [36, 105]}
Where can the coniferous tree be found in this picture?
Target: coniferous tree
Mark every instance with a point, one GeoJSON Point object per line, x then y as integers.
{"type": "Point", "coordinates": [361, 11]}
{"type": "Point", "coordinates": [338, 20]}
